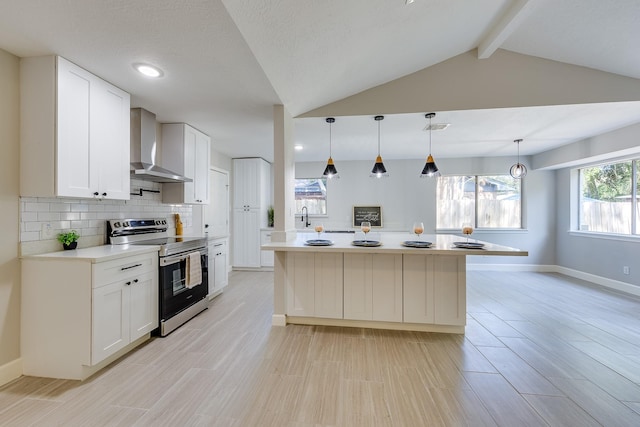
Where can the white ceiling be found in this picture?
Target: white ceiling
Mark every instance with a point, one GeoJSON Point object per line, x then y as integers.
{"type": "Point", "coordinates": [227, 62]}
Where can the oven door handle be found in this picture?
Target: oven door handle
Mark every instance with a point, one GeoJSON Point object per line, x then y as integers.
{"type": "Point", "coordinates": [177, 258]}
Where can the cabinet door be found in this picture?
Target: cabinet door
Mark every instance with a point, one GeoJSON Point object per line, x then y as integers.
{"type": "Point", "coordinates": [246, 183]}
{"type": "Point", "coordinates": [246, 238]}
{"type": "Point", "coordinates": [110, 320]}
{"type": "Point", "coordinates": [373, 287]}
{"type": "Point", "coordinates": [143, 305]}
{"type": "Point", "coordinates": [328, 285]}
{"type": "Point", "coordinates": [110, 123]}
{"type": "Point", "coordinates": [75, 175]}
{"type": "Point", "coordinates": [190, 136]}
{"type": "Point", "coordinates": [449, 290]}
{"type": "Point", "coordinates": [201, 169]}
{"type": "Point", "coordinates": [216, 213]}
{"type": "Point", "coordinates": [266, 257]}
{"type": "Point", "coordinates": [417, 271]}
{"type": "Point", "coordinates": [435, 289]}
{"type": "Point", "coordinates": [217, 265]}
{"type": "Point", "coordinates": [221, 277]}
{"type": "Point", "coordinates": [300, 283]}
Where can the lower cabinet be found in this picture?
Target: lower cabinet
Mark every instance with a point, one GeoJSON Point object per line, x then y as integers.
{"type": "Point", "coordinates": [123, 311]}
{"type": "Point", "coordinates": [422, 289]}
{"type": "Point", "coordinates": [218, 276]}
{"type": "Point", "coordinates": [373, 287]}
{"type": "Point", "coordinates": [314, 284]}
{"type": "Point", "coordinates": [434, 289]}
{"type": "Point", "coordinates": [266, 257]}
{"type": "Point", "coordinates": [79, 313]}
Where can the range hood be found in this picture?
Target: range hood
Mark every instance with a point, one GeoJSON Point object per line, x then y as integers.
{"type": "Point", "coordinates": [144, 147]}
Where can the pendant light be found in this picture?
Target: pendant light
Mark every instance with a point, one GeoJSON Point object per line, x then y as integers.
{"type": "Point", "coordinates": [330, 171]}
{"type": "Point", "coordinates": [518, 170]}
{"type": "Point", "coordinates": [430, 169]}
{"type": "Point", "coordinates": [379, 171]}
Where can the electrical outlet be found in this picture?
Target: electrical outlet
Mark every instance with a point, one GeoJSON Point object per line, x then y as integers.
{"type": "Point", "coordinates": [625, 269]}
{"type": "Point", "coordinates": [47, 231]}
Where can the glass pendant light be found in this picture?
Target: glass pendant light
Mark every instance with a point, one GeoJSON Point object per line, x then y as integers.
{"type": "Point", "coordinates": [430, 169]}
{"type": "Point", "coordinates": [379, 171]}
{"type": "Point", "coordinates": [330, 171]}
{"type": "Point", "coordinates": [518, 170]}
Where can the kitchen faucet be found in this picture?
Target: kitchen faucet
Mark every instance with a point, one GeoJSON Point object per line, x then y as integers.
{"type": "Point", "coordinates": [305, 218]}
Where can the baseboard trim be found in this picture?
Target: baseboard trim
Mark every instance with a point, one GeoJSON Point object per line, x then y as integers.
{"type": "Point", "coordinates": [598, 280]}
{"type": "Point", "coordinates": [513, 267]}
{"type": "Point", "coordinates": [10, 371]}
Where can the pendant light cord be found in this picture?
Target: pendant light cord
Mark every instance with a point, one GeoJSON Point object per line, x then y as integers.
{"type": "Point", "coordinates": [430, 128]}
{"type": "Point", "coordinates": [378, 138]}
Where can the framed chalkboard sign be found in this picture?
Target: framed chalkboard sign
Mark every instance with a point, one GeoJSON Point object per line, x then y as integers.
{"type": "Point", "coordinates": [373, 214]}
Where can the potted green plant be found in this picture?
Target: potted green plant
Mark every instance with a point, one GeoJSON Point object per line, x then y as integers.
{"type": "Point", "coordinates": [69, 240]}
{"type": "Point", "coordinates": [270, 216]}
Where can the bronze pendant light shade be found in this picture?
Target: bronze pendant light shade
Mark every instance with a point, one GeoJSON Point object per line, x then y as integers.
{"type": "Point", "coordinates": [430, 169]}
{"type": "Point", "coordinates": [330, 171]}
{"type": "Point", "coordinates": [379, 171]}
{"type": "Point", "coordinates": [518, 171]}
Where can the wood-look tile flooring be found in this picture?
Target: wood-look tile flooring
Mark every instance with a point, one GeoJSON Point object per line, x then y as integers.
{"type": "Point", "coordinates": [539, 349]}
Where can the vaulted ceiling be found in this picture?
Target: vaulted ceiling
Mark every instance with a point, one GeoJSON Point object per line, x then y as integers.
{"type": "Point", "coordinates": [226, 63]}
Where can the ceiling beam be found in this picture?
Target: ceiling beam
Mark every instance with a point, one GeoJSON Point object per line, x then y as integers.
{"type": "Point", "coordinates": [504, 28]}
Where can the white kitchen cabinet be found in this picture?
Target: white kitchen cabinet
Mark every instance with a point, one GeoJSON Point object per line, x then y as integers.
{"type": "Point", "coordinates": [74, 128]}
{"type": "Point", "coordinates": [314, 284]}
{"type": "Point", "coordinates": [246, 238]}
{"type": "Point", "coordinates": [434, 289]}
{"type": "Point", "coordinates": [251, 198]}
{"type": "Point", "coordinates": [266, 257]}
{"type": "Point", "coordinates": [79, 315]}
{"type": "Point", "coordinates": [373, 287]}
{"type": "Point", "coordinates": [218, 277]}
{"type": "Point", "coordinates": [186, 151]}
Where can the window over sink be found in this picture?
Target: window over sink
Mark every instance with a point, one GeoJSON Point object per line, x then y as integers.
{"type": "Point", "coordinates": [312, 193]}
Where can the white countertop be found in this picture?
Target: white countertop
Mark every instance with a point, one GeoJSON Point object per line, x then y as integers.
{"type": "Point", "coordinates": [392, 243]}
{"type": "Point", "coordinates": [97, 253]}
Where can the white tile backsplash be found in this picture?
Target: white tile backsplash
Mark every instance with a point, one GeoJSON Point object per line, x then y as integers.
{"type": "Point", "coordinates": [88, 217]}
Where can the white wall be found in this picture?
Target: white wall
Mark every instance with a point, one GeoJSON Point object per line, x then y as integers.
{"type": "Point", "coordinates": [9, 208]}
{"type": "Point", "coordinates": [405, 198]}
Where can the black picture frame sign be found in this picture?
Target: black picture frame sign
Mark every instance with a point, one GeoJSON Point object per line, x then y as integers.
{"type": "Point", "coordinates": [373, 214]}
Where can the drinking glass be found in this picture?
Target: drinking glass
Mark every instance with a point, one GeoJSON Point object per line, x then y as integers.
{"type": "Point", "coordinates": [418, 229]}
{"type": "Point", "coordinates": [365, 226]}
{"type": "Point", "coordinates": [467, 229]}
{"type": "Point", "coordinates": [319, 228]}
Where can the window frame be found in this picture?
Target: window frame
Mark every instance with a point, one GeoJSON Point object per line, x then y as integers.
{"type": "Point", "coordinates": [634, 233]}
{"type": "Point", "coordinates": [521, 228]}
{"type": "Point", "coordinates": [298, 213]}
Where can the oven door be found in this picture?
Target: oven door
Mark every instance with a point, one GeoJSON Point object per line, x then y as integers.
{"type": "Point", "coordinates": [174, 295]}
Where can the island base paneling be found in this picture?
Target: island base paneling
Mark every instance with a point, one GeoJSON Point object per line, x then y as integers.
{"type": "Point", "coordinates": [417, 292]}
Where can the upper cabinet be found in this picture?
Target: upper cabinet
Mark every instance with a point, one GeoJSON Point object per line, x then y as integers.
{"type": "Point", "coordinates": [186, 151]}
{"type": "Point", "coordinates": [74, 132]}
{"type": "Point", "coordinates": [251, 183]}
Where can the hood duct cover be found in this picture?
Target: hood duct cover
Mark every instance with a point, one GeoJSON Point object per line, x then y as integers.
{"type": "Point", "coordinates": [144, 147]}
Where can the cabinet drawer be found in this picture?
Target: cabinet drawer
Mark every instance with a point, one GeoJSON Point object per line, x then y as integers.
{"type": "Point", "coordinates": [119, 269]}
{"type": "Point", "coordinates": [217, 247]}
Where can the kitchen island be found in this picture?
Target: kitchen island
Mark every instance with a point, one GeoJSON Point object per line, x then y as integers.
{"type": "Point", "coordinates": [390, 286]}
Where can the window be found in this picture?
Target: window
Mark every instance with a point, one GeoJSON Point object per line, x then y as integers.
{"type": "Point", "coordinates": [488, 201]}
{"type": "Point", "coordinates": [312, 193]}
{"type": "Point", "coordinates": [608, 198]}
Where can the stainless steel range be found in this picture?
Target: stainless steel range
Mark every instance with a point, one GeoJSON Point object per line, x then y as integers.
{"type": "Point", "coordinates": [181, 298]}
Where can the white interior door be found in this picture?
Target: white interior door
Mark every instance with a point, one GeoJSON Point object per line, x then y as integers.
{"type": "Point", "coordinates": [216, 213]}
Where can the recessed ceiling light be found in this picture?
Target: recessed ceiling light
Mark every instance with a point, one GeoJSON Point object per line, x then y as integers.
{"type": "Point", "coordinates": [148, 70]}
{"type": "Point", "coordinates": [408, 1]}
{"type": "Point", "coordinates": [298, 147]}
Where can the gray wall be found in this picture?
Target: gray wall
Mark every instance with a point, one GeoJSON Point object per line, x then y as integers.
{"type": "Point", "coordinates": [589, 253]}
{"type": "Point", "coordinates": [406, 198]}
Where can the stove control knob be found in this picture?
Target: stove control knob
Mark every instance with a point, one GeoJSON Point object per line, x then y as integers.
{"type": "Point", "coordinates": [126, 223]}
{"type": "Point", "coordinates": [116, 225]}
{"type": "Point", "coordinates": [164, 222]}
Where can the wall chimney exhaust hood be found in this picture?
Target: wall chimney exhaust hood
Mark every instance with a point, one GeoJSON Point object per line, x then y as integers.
{"type": "Point", "coordinates": [144, 147]}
